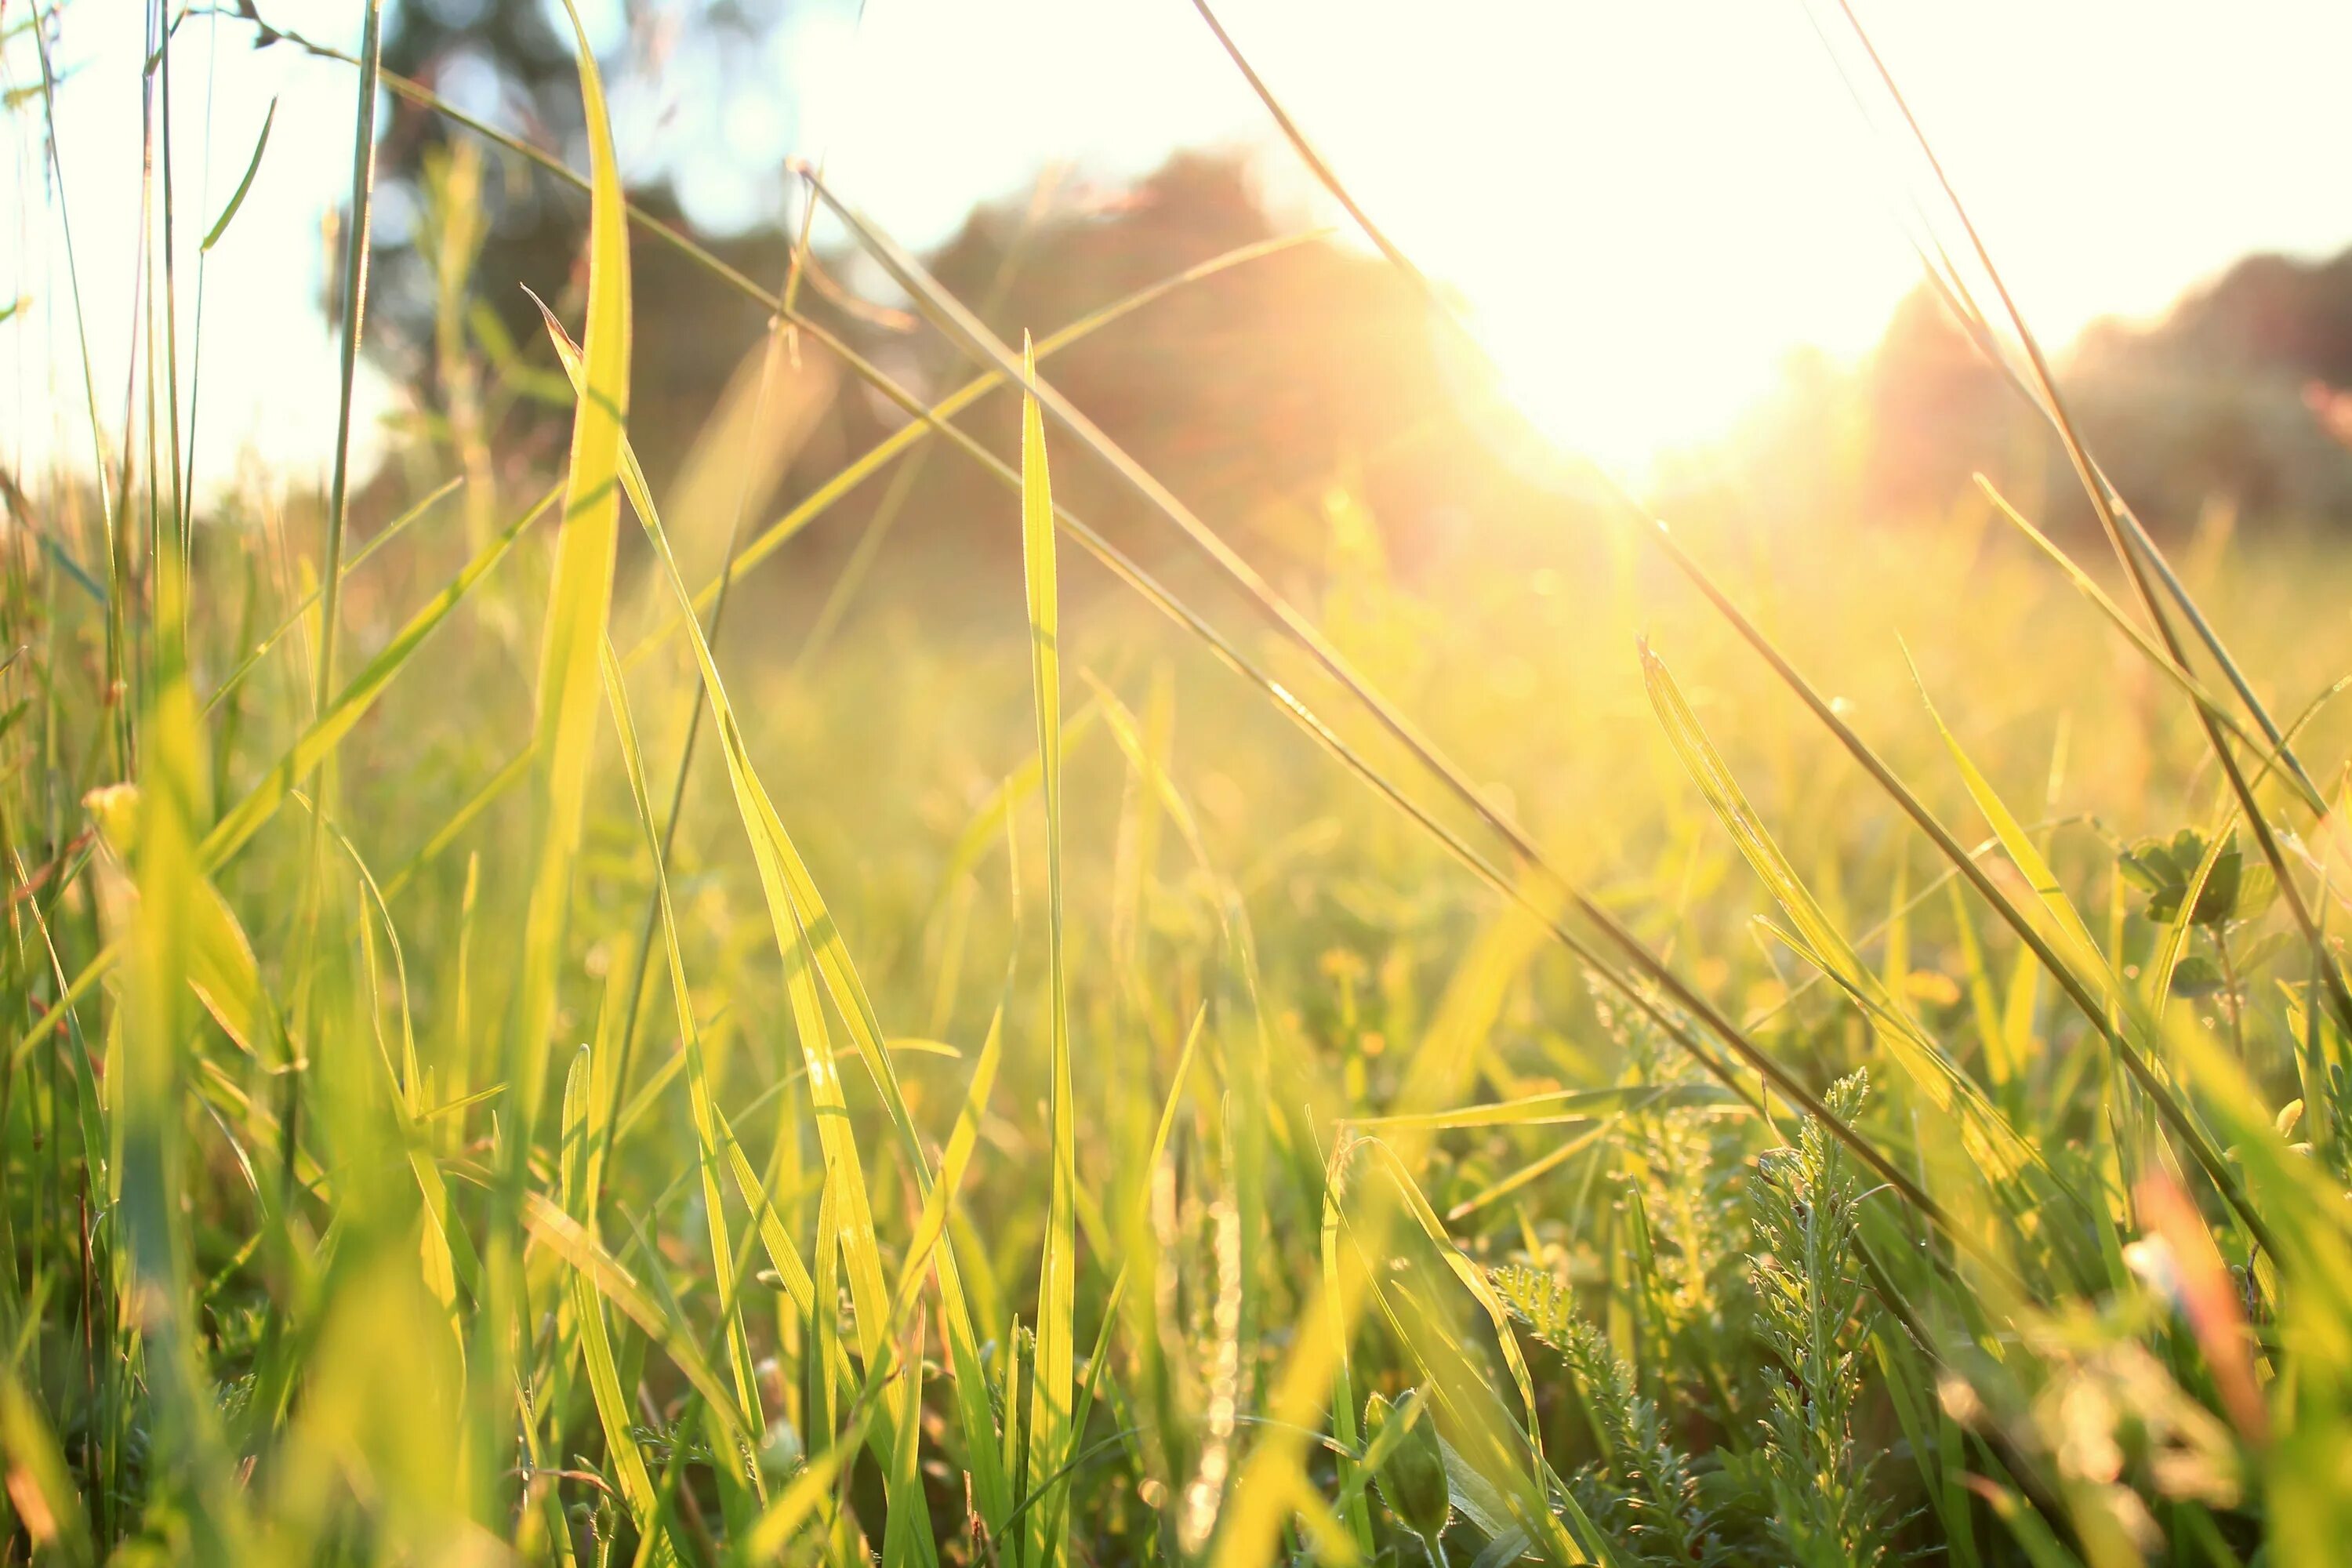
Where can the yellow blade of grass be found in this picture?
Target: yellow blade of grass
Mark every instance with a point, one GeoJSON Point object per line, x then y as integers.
{"type": "Point", "coordinates": [1514, 1464]}
{"type": "Point", "coordinates": [800, 1502]}
{"type": "Point", "coordinates": [579, 599]}
{"type": "Point", "coordinates": [222, 970]}
{"type": "Point", "coordinates": [147, 1080]}
{"type": "Point", "coordinates": [570, 1240]}
{"type": "Point", "coordinates": [1547, 1110]}
{"type": "Point", "coordinates": [1046, 1531]}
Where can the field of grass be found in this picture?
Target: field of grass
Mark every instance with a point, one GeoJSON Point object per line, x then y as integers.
{"type": "Point", "coordinates": [1759, 1044]}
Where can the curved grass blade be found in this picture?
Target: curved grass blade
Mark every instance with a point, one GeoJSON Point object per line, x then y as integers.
{"type": "Point", "coordinates": [568, 1239]}
{"type": "Point", "coordinates": [236, 197]}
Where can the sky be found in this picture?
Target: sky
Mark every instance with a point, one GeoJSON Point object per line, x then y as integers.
{"type": "Point", "coordinates": [1645, 208]}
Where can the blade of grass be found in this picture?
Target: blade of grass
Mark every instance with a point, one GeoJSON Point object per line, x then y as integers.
{"type": "Point", "coordinates": [1046, 1533]}
{"type": "Point", "coordinates": [358, 244]}
{"type": "Point", "coordinates": [622, 1455]}
{"type": "Point", "coordinates": [252, 167]}
{"type": "Point", "coordinates": [579, 597]}
{"type": "Point", "coordinates": [697, 1072]}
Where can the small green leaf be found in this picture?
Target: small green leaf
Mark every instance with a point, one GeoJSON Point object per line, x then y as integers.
{"type": "Point", "coordinates": [2198, 975]}
{"type": "Point", "coordinates": [2218, 898]}
{"type": "Point", "coordinates": [2257, 887]}
{"type": "Point", "coordinates": [2148, 865]}
{"type": "Point", "coordinates": [1411, 1477]}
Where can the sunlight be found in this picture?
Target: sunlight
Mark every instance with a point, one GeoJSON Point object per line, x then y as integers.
{"type": "Point", "coordinates": [1647, 209]}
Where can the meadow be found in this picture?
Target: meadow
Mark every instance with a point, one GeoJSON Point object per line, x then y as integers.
{"type": "Point", "coordinates": [1747, 1040]}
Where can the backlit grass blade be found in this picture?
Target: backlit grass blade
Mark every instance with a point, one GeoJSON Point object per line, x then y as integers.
{"type": "Point", "coordinates": [222, 970]}
{"type": "Point", "coordinates": [1046, 1531]}
{"type": "Point", "coordinates": [579, 598]}
{"type": "Point", "coordinates": [1554, 1108]}
{"type": "Point", "coordinates": [798, 1504]}
{"type": "Point", "coordinates": [982, 1440]}
{"type": "Point", "coordinates": [1133, 1227]}
{"type": "Point", "coordinates": [568, 1239]}
{"type": "Point", "coordinates": [146, 1083]}
{"type": "Point", "coordinates": [508, 775]}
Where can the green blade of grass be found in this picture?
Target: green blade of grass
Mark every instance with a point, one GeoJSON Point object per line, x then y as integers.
{"type": "Point", "coordinates": [252, 167]}
{"type": "Point", "coordinates": [570, 1240]}
{"type": "Point", "coordinates": [697, 1073]}
{"type": "Point", "coordinates": [1046, 1531]}
{"type": "Point", "coordinates": [622, 1455]}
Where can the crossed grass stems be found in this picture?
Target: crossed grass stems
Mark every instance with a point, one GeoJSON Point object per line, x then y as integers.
{"type": "Point", "coordinates": [1526, 874]}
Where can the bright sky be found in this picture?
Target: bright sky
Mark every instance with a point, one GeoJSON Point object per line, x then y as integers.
{"type": "Point", "coordinates": [1647, 205]}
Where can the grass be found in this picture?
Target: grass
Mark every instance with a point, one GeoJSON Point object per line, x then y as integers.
{"type": "Point", "coordinates": [1627, 1048]}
